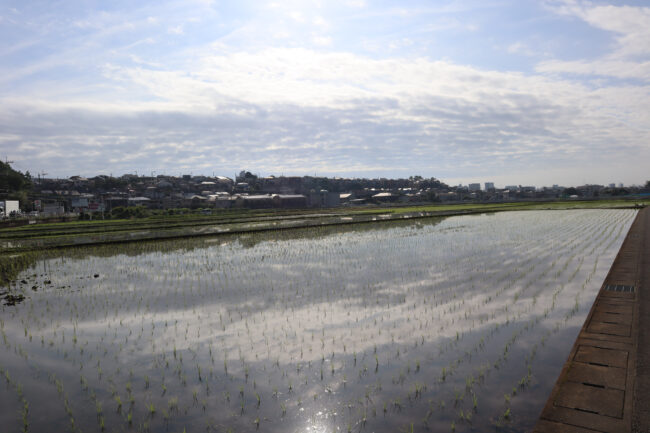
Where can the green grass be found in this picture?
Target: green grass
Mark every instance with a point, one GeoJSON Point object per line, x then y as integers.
{"type": "Point", "coordinates": [53, 235]}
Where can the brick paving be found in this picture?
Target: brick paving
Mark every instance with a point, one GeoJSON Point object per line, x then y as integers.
{"type": "Point", "coordinates": [605, 384]}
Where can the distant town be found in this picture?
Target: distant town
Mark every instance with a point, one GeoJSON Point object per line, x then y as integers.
{"type": "Point", "coordinates": [48, 197]}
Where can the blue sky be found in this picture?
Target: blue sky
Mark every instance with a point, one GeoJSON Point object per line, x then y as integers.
{"type": "Point", "coordinates": [513, 91]}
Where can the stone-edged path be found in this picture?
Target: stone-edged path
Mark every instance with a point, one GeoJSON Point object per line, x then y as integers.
{"type": "Point", "coordinates": [605, 384]}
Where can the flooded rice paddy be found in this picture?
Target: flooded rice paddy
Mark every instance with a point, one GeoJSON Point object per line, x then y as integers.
{"type": "Point", "coordinates": [457, 324]}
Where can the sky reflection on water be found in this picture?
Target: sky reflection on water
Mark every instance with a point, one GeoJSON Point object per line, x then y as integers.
{"type": "Point", "coordinates": [430, 322]}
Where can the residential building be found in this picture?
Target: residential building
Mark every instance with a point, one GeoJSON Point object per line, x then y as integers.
{"type": "Point", "coordinates": [9, 207]}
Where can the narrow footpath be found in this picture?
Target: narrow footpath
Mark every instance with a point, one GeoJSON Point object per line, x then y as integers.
{"type": "Point", "coordinates": [605, 384]}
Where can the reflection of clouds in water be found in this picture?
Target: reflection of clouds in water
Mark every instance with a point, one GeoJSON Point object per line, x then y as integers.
{"type": "Point", "coordinates": [346, 292]}
{"type": "Point", "coordinates": [432, 290]}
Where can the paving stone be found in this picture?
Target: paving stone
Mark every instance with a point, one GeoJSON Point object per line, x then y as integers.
{"type": "Point", "coordinates": [545, 426]}
{"type": "Point", "coordinates": [608, 377]}
{"type": "Point", "coordinates": [609, 328]}
{"type": "Point", "coordinates": [625, 309]}
{"type": "Point", "coordinates": [609, 317]}
{"type": "Point", "coordinates": [601, 401]}
{"type": "Point", "coordinates": [601, 356]}
{"type": "Point", "coordinates": [587, 420]}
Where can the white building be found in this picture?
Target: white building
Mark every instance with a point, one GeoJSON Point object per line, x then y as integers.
{"type": "Point", "coordinates": [489, 186]}
{"type": "Point", "coordinates": [474, 186]}
{"type": "Point", "coordinates": [9, 206]}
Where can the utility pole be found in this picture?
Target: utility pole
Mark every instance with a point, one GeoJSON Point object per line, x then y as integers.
{"type": "Point", "coordinates": [7, 162]}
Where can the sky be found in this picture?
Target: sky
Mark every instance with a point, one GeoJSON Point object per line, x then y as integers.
{"type": "Point", "coordinates": [514, 92]}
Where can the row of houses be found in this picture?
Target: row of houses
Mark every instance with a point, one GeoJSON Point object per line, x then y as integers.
{"type": "Point", "coordinates": [246, 190]}
{"type": "Point", "coordinates": [224, 200]}
{"type": "Point", "coordinates": [88, 203]}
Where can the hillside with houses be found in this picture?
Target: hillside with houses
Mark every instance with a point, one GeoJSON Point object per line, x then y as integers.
{"type": "Point", "coordinates": [107, 194]}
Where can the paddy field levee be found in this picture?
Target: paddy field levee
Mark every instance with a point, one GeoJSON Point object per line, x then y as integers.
{"type": "Point", "coordinates": [604, 385]}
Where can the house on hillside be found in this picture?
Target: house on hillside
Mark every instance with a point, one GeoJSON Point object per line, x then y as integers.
{"type": "Point", "coordinates": [385, 197]}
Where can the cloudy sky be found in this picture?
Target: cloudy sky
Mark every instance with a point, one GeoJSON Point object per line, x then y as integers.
{"type": "Point", "coordinates": [513, 91]}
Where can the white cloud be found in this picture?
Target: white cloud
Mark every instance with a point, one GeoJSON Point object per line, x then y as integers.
{"type": "Point", "coordinates": [401, 43]}
{"type": "Point", "coordinates": [603, 67]}
{"type": "Point", "coordinates": [356, 3]}
{"type": "Point", "coordinates": [629, 58]}
{"type": "Point", "coordinates": [520, 48]}
{"type": "Point", "coordinates": [323, 41]}
{"type": "Point", "coordinates": [632, 24]}
{"type": "Point", "coordinates": [140, 61]}
{"type": "Point", "coordinates": [297, 110]}
{"type": "Point", "coordinates": [282, 34]}
{"type": "Point", "coordinates": [84, 24]}
{"type": "Point", "coordinates": [297, 16]}
{"type": "Point", "coordinates": [176, 30]}
{"type": "Point", "coordinates": [321, 22]}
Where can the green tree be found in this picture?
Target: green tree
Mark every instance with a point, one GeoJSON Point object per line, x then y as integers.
{"type": "Point", "coordinates": [15, 186]}
{"type": "Point", "coordinates": [13, 181]}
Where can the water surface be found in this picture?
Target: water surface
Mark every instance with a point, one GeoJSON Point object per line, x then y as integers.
{"type": "Point", "coordinates": [455, 324]}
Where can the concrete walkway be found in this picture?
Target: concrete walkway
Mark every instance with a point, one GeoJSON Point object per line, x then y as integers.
{"type": "Point", "coordinates": [605, 384]}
